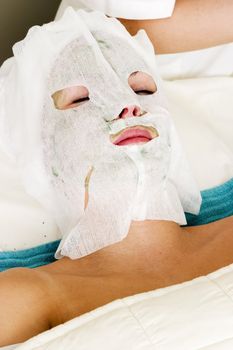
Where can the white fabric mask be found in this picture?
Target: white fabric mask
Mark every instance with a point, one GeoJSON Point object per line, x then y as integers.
{"type": "Point", "coordinates": [58, 148]}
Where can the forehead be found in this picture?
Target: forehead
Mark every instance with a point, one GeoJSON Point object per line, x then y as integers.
{"type": "Point", "coordinates": [120, 52]}
{"type": "Point", "coordinates": [104, 56]}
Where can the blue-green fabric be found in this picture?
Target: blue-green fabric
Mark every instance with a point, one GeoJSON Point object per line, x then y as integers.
{"type": "Point", "coordinates": [217, 203]}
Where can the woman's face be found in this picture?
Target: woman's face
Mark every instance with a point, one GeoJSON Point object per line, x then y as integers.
{"type": "Point", "coordinates": [100, 97]}
{"type": "Point", "coordinates": [102, 94]}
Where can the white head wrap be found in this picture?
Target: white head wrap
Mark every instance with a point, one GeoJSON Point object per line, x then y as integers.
{"type": "Point", "coordinates": [56, 149]}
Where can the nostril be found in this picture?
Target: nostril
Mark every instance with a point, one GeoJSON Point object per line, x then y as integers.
{"type": "Point", "coordinates": [136, 111]}
{"type": "Point", "coordinates": [130, 111]}
{"type": "Point", "coordinates": [124, 113]}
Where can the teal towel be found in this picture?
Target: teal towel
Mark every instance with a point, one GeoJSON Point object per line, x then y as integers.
{"type": "Point", "coordinates": [217, 203]}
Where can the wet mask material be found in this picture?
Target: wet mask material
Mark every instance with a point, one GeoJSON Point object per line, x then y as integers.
{"type": "Point", "coordinates": [82, 82]}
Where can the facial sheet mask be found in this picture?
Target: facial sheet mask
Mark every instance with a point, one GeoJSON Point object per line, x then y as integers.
{"type": "Point", "coordinates": [57, 149]}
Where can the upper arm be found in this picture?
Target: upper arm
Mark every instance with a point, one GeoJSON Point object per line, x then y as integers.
{"type": "Point", "coordinates": [194, 25]}
{"type": "Point", "coordinates": [24, 307]}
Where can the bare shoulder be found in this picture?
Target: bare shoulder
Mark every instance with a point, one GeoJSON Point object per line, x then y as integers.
{"type": "Point", "coordinates": [25, 303]}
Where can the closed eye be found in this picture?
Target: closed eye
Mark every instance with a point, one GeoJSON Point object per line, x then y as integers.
{"type": "Point", "coordinates": [81, 100]}
{"type": "Point", "coordinates": [143, 92]}
{"type": "Point", "coordinates": [70, 97]}
{"type": "Point", "coordinates": [142, 83]}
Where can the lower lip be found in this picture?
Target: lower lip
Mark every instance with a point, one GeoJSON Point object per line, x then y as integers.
{"type": "Point", "coordinates": [138, 139]}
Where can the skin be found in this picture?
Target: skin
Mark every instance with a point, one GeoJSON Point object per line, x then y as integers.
{"type": "Point", "coordinates": [194, 24]}
{"type": "Point", "coordinates": [153, 255]}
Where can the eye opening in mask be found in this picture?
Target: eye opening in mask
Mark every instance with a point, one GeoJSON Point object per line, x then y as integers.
{"type": "Point", "coordinates": [70, 97]}
{"type": "Point", "coordinates": [142, 83]}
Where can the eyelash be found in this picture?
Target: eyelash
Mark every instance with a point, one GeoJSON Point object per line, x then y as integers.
{"type": "Point", "coordinates": [81, 100]}
{"type": "Point", "coordinates": [143, 92]}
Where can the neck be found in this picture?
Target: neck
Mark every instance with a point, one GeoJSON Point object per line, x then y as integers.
{"type": "Point", "coordinates": [147, 243]}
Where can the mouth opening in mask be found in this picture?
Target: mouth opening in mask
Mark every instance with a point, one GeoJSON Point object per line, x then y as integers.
{"type": "Point", "coordinates": [134, 135]}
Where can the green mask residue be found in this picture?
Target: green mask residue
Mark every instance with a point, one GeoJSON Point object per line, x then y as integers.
{"type": "Point", "coordinates": [143, 151]}
{"type": "Point", "coordinates": [54, 171]}
{"type": "Point", "coordinates": [102, 42]}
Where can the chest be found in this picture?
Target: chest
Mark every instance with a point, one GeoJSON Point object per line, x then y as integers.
{"type": "Point", "coordinates": [80, 294]}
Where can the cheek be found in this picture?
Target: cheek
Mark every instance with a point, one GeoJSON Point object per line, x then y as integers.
{"type": "Point", "coordinates": [60, 99]}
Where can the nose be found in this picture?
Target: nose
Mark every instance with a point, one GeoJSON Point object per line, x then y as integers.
{"type": "Point", "coordinates": [130, 111]}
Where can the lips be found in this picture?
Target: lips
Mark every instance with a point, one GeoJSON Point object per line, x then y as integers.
{"type": "Point", "coordinates": [134, 135]}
